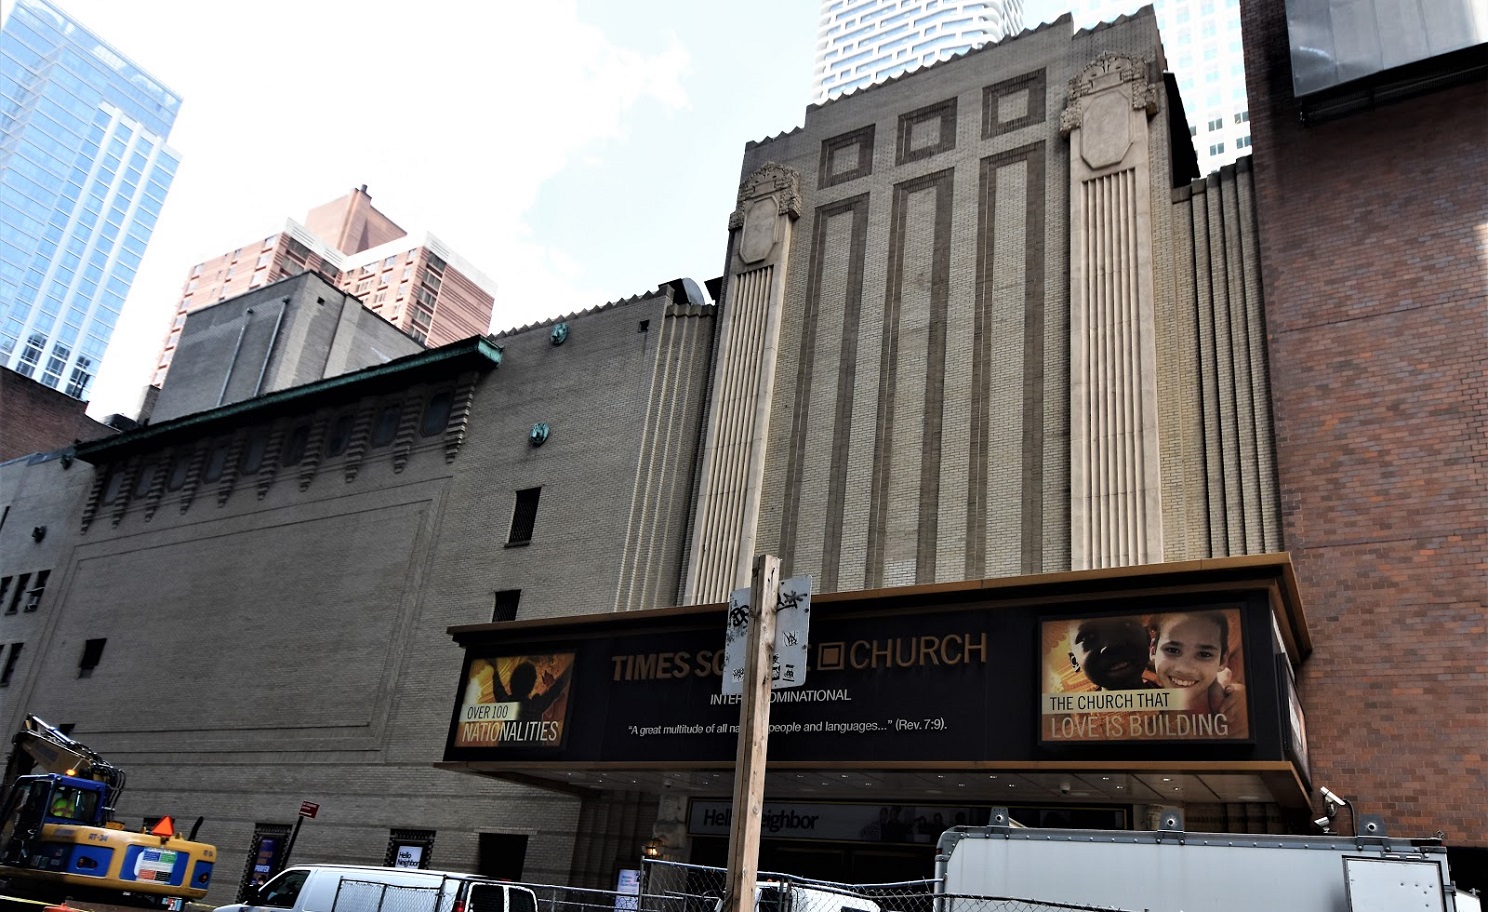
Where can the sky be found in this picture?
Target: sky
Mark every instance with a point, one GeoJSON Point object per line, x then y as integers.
{"type": "Point", "coordinates": [577, 153]}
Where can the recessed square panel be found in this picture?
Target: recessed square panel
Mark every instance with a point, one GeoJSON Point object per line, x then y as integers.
{"type": "Point", "coordinates": [846, 157]}
{"type": "Point", "coordinates": [1013, 104]}
{"type": "Point", "coordinates": [926, 132]}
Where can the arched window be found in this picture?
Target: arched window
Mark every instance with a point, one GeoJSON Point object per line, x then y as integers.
{"type": "Point", "coordinates": [436, 415]}
{"type": "Point", "coordinates": [178, 471]}
{"type": "Point", "coordinates": [253, 454]}
{"type": "Point", "coordinates": [386, 426]}
{"type": "Point", "coordinates": [340, 436]}
{"type": "Point", "coordinates": [294, 448]}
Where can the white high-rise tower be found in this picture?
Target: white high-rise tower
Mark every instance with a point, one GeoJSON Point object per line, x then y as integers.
{"type": "Point", "coordinates": [860, 42]}
{"type": "Point", "coordinates": [1202, 42]}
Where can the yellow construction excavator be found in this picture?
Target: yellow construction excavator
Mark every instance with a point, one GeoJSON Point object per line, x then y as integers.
{"type": "Point", "coordinates": [59, 839]}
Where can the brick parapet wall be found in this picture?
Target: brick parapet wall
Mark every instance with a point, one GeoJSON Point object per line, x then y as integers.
{"type": "Point", "coordinates": [36, 418]}
{"type": "Point", "coordinates": [1374, 241]}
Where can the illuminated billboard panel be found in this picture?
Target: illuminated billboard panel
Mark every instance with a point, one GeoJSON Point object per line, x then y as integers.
{"type": "Point", "coordinates": [1161, 676]}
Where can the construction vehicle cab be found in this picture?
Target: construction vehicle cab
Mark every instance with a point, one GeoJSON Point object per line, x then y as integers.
{"type": "Point", "coordinates": [58, 836]}
{"type": "Point", "coordinates": [33, 801]}
{"type": "Point", "coordinates": [72, 800]}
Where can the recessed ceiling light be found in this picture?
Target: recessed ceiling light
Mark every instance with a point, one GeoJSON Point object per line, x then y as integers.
{"type": "Point", "coordinates": [1166, 779]}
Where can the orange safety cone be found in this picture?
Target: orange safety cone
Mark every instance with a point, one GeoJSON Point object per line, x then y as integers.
{"type": "Point", "coordinates": [59, 907]}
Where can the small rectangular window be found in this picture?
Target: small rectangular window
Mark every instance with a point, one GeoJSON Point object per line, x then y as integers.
{"type": "Point", "coordinates": [34, 594]}
{"type": "Point", "coordinates": [524, 516]}
{"type": "Point", "coordinates": [92, 654]}
{"type": "Point", "coordinates": [506, 604]}
{"type": "Point", "coordinates": [14, 605]}
{"type": "Point", "coordinates": [10, 663]}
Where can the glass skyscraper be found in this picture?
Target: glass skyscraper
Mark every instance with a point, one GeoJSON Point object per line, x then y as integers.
{"type": "Point", "coordinates": [84, 170]}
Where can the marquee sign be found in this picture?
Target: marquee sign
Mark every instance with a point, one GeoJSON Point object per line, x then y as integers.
{"type": "Point", "coordinates": [949, 683]}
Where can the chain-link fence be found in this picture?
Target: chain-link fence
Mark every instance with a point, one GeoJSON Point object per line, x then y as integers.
{"type": "Point", "coordinates": [667, 886]}
{"type": "Point", "coordinates": [371, 896]}
{"type": "Point", "coordinates": [674, 887]}
{"type": "Point", "coordinates": [953, 903]}
{"type": "Point", "coordinates": [551, 898]}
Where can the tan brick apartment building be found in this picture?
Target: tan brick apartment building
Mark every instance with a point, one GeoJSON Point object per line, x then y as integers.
{"type": "Point", "coordinates": [986, 363]}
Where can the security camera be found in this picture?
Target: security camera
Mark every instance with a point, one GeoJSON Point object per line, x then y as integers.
{"type": "Point", "coordinates": [1065, 787]}
{"type": "Point", "coordinates": [1329, 796]}
{"type": "Point", "coordinates": [1323, 823]}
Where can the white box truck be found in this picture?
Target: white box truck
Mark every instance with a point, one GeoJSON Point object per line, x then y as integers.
{"type": "Point", "coordinates": [1170, 870]}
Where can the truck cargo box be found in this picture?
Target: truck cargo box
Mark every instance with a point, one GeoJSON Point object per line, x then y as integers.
{"type": "Point", "coordinates": [1170, 870]}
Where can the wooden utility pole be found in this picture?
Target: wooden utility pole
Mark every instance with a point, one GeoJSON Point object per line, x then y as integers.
{"type": "Point", "coordinates": [754, 736]}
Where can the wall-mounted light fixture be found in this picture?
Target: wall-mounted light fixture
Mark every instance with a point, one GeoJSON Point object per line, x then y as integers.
{"type": "Point", "coordinates": [653, 847]}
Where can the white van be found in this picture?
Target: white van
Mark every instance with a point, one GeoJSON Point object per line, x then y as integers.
{"type": "Point", "coordinates": [351, 888]}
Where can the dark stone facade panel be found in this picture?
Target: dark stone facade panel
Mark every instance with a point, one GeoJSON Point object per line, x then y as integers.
{"type": "Point", "coordinates": [926, 132]}
{"type": "Point", "coordinates": [855, 210]}
{"type": "Point", "coordinates": [892, 358]}
{"type": "Point", "coordinates": [846, 157]}
{"type": "Point", "coordinates": [1014, 104]}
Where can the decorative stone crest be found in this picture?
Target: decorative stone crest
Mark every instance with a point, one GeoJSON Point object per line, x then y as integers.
{"type": "Point", "coordinates": [1109, 71]}
{"type": "Point", "coordinates": [770, 179]}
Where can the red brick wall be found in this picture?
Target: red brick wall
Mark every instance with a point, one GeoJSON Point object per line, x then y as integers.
{"type": "Point", "coordinates": [36, 418]}
{"type": "Point", "coordinates": [1374, 246]}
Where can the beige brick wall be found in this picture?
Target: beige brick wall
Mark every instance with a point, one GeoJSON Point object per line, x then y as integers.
{"type": "Point", "coordinates": [281, 635]}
